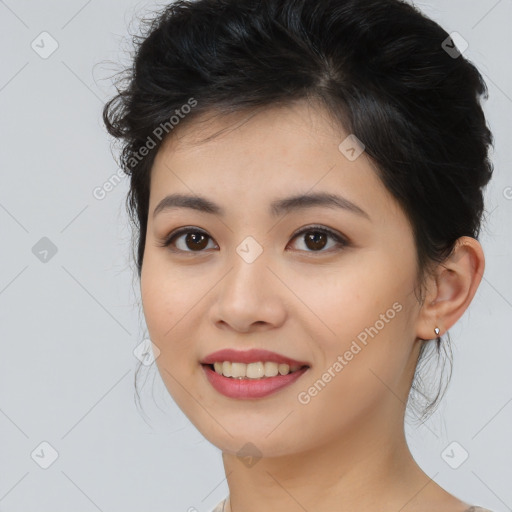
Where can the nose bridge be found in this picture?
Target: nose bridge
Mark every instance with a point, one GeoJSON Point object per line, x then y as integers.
{"type": "Point", "coordinates": [249, 267]}
{"type": "Point", "coordinates": [247, 293]}
{"type": "Point", "coordinates": [250, 249]}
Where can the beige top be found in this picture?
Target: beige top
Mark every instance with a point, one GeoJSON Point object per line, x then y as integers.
{"type": "Point", "coordinates": [222, 505]}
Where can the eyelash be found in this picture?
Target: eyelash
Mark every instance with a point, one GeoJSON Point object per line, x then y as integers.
{"type": "Point", "coordinates": [341, 241]}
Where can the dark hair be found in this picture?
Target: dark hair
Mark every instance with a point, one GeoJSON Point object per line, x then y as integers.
{"type": "Point", "coordinates": [381, 68]}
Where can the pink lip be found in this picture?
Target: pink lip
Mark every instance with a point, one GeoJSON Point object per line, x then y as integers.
{"type": "Point", "coordinates": [249, 388]}
{"type": "Point", "coordinates": [250, 356]}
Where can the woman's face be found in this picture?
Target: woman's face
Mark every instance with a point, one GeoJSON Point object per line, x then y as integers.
{"type": "Point", "coordinates": [344, 307]}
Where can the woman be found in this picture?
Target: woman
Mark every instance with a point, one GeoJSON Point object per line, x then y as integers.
{"type": "Point", "coordinates": [307, 185]}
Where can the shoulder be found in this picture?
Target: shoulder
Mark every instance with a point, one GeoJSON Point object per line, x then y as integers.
{"type": "Point", "coordinates": [220, 507]}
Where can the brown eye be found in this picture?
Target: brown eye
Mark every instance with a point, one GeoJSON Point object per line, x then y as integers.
{"type": "Point", "coordinates": [195, 241]}
{"type": "Point", "coordinates": [191, 240]}
{"type": "Point", "coordinates": [316, 238]}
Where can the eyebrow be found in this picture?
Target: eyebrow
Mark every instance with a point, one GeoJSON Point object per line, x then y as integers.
{"type": "Point", "coordinates": [277, 207]}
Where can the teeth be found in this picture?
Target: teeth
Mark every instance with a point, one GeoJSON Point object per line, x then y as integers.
{"type": "Point", "coordinates": [237, 369]}
{"type": "Point", "coordinates": [226, 369]}
{"type": "Point", "coordinates": [271, 369]}
{"type": "Point", "coordinates": [252, 370]}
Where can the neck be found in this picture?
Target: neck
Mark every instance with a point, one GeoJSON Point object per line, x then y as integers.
{"type": "Point", "coordinates": [366, 469]}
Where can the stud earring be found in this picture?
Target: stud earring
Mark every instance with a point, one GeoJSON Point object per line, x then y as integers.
{"type": "Point", "coordinates": [437, 331]}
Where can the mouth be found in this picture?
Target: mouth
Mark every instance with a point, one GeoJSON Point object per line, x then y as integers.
{"type": "Point", "coordinates": [251, 381]}
{"type": "Point", "coordinates": [253, 371]}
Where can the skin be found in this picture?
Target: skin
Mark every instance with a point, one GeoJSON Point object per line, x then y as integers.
{"type": "Point", "coordinates": [310, 305]}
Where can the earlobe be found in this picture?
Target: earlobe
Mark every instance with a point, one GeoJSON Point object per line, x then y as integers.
{"type": "Point", "coordinates": [452, 288]}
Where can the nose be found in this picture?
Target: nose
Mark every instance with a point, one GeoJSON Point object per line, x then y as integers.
{"type": "Point", "coordinates": [250, 297]}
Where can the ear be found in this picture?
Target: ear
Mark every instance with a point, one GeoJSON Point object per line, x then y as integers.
{"type": "Point", "coordinates": [451, 288]}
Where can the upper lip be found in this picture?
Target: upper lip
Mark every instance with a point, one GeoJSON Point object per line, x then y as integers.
{"type": "Point", "coordinates": [250, 356]}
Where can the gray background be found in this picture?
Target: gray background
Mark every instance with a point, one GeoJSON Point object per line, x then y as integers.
{"type": "Point", "coordinates": [69, 324]}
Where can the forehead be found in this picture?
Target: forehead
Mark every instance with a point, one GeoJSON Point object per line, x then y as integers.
{"type": "Point", "coordinates": [252, 157]}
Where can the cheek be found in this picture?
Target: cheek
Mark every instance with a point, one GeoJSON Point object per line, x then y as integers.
{"type": "Point", "coordinates": [362, 316]}
{"type": "Point", "coordinates": [165, 293]}
{"type": "Point", "coordinates": [167, 300]}
{"type": "Point", "coordinates": [349, 301]}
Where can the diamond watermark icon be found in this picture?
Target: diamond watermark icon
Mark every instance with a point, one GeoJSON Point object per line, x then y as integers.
{"type": "Point", "coordinates": [454, 455]}
{"type": "Point", "coordinates": [249, 454]}
{"type": "Point", "coordinates": [44, 45]}
{"type": "Point", "coordinates": [351, 147]}
{"type": "Point", "coordinates": [44, 250]}
{"type": "Point", "coordinates": [249, 249]}
{"type": "Point", "coordinates": [44, 455]}
{"type": "Point", "coordinates": [146, 352]}
{"type": "Point", "coordinates": [455, 45]}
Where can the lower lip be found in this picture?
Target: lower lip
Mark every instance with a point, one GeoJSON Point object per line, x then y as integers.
{"type": "Point", "coordinates": [250, 388]}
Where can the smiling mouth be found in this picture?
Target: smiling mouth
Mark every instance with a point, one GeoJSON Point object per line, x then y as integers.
{"type": "Point", "coordinates": [253, 371]}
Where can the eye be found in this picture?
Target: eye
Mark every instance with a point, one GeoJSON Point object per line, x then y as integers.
{"type": "Point", "coordinates": [317, 237]}
{"type": "Point", "coordinates": [196, 240]}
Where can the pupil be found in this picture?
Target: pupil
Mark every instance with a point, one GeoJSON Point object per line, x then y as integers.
{"type": "Point", "coordinates": [314, 238]}
{"type": "Point", "coordinates": [191, 237]}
